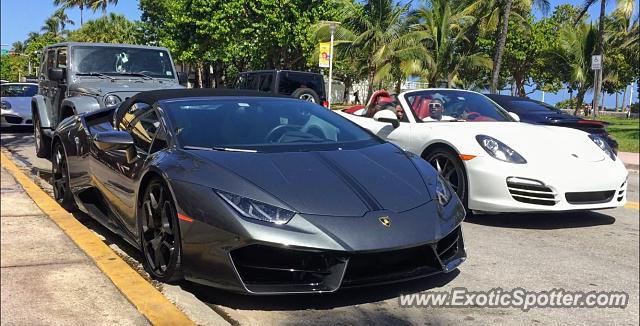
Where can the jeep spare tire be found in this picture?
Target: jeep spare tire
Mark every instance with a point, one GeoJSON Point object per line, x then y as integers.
{"type": "Point", "coordinates": [306, 94]}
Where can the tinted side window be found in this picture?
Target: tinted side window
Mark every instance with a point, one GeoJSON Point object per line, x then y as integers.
{"type": "Point", "coordinates": [160, 142]}
{"type": "Point", "coordinates": [265, 83]}
{"type": "Point", "coordinates": [133, 111]}
{"type": "Point", "coordinates": [290, 81]}
{"type": "Point", "coordinates": [248, 81]}
{"type": "Point", "coordinates": [144, 130]}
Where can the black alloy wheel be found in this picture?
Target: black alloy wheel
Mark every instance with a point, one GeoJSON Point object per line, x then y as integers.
{"type": "Point", "coordinates": [60, 179]}
{"type": "Point", "coordinates": [159, 233]}
{"type": "Point", "coordinates": [450, 167]}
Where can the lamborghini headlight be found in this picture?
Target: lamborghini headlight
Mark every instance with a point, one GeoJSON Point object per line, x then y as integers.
{"type": "Point", "coordinates": [499, 151]}
{"type": "Point", "coordinates": [443, 192]}
{"type": "Point", "coordinates": [603, 146]}
{"type": "Point", "coordinates": [257, 210]}
{"type": "Point", "coordinates": [111, 100]}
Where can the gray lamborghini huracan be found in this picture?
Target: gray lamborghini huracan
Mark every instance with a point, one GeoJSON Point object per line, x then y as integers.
{"type": "Point", "coordinates": [255, 193]}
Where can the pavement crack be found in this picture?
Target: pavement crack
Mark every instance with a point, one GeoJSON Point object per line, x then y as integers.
{"type": "Point", "coordinates": [70, 262]}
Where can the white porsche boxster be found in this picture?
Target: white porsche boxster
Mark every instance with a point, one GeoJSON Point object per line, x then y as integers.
{"type": "Point", "coordinates": [494, 162]}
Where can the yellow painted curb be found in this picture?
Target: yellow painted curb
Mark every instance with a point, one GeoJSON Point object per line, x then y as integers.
{"type": "Point", "coordinates": [632, 204]}
{"type": "Point", "coordinates": [149, 301]}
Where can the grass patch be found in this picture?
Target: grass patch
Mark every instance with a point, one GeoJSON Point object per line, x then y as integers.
{"type": "Point", "coordinates": [625, 131]}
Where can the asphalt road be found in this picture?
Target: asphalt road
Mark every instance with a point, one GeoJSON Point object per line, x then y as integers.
{"type": "Point", "coordinates": [577, 251]}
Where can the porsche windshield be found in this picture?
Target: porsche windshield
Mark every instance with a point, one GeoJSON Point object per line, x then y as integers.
{"type": "Point", "coordinates": [453, 105]}
{"type": "Point", "coordinates": [262, 124]}
{"type": "Point", "coordinates": [115, 61]}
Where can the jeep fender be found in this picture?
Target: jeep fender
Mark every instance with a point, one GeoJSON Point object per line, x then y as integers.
{"type": "Point", "coordinates": [79, 104]}
{"type": "Point", "coordinates": [39, 107]}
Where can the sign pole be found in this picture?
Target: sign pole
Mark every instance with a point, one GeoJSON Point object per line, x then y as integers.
{"type": "Point", "coordinates": [332, 28]}
{"type": "Point", "coordinates": [596, 66]}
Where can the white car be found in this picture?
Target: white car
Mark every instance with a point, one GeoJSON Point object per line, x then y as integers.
{"type": "Point", "coordinates": [495, 163]}
{"type": "Point", "coordinates": [15, 104]}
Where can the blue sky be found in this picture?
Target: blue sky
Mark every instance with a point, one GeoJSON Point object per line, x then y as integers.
{"type": "Point", "coordinates": [19, 17]}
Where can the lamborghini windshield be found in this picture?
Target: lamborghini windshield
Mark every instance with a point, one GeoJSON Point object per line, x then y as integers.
{"type": "Point", "coordinates": [261, 124]}
{"type": "Point", "coordinates": [453, 105]}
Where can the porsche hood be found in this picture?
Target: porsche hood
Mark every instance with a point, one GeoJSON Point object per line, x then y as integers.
{"type": "Point", "coordinates": [332, 183]}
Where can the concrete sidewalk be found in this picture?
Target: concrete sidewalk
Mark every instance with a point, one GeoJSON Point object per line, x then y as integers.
{"type": "Point", "coordinates": [630, 160]}
{"type": "Point", "coordinates": [46, 278]}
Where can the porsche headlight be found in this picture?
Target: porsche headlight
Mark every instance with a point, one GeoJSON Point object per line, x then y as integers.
{"type": "Point", "coordinates": [499, 151]}
{"type": "Point", "coordinates": [257, 210]}
{"type": "Point", "coordinates": [443, 193]}
{"type": "Point", "coordinates": [111, 100]}
{"type": "Point", "coordinates": [603, 146]}
{"type": "Point", "coordinates": [4, 105]}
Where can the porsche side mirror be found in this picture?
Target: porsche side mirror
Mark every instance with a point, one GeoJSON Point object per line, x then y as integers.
{"type": "Point", "coordinates": [515, 116]}
{"type": "Point", "coordinates": [116, 140]}
{"type": "Point", "coordinates": [388, 117]}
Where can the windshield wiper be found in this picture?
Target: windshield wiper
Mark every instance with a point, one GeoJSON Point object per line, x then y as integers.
{"type": "Point", "coordinates": [224, 149]}
{"type": "Point", "coordinates": [133, 74]}
{"type": "Point", "coordinates": [97, 74]}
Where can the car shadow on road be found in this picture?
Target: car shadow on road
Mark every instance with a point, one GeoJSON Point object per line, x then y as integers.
{"type": "Point", "coordinates": [324, 301]}
{"type": "Point", "coordinates": [544, 221]}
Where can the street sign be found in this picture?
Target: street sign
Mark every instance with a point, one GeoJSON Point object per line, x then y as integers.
{"type": "Point", "coordinates": [596, 62]}
{"type": "Point", "coordinates": [325, 50]}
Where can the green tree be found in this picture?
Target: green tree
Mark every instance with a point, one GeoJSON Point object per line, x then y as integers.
{"type": "Point", "coordinates": [112, 28]}
{"type": "Point", "coordinates": [101, 4]}
{"type": "Point", "coordinates": [368, 28]}
{"type": "Point", "coordinates": [575, 47]}
{"type": "Point", "coordinates": [443, 29]}
{"type": "Point", "coordinates": [81, 4]}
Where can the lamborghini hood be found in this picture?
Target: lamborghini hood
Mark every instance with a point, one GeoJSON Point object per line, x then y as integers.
{"type": "Point", "coordinates": [332, 183]}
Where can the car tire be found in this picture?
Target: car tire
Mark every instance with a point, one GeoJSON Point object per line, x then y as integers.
{"type": "Point", "coordinates": [60, 179]}
{"type": "Point", "coordinates": [159, 231]}
{"type": "Point", "coordinates": [450, 166]}
{"type": "Point", "coordinates": [42, 142]}
{"type": "Point", "coordinates": [306, 94]}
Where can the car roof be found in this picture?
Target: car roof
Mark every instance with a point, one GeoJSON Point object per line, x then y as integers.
{"type": "Point", "coordinates": [180, 93]}
{"type": "Point", "coordinates": [72, 44]}
{"type": "Point", "coordinates": [19, 83]}
{"type": "Point", "coordinates": [277, 70]}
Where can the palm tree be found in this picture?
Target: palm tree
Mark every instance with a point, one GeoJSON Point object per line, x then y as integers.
{"type": "Point", "coordinates": [18, 47]}
{"type": "Point", "coordinates": [442, 28]}
{"type": "Point", "coordinates": [627, 6]}
{"type": "Point", "coordinates": [52, 26]}
{"type": "Point", "coordinates": [368, 29]}
{"type": "Point", "coordinates": [81, 4]}
{"type": "Point", "coordinates": [62, 18]}
{"type": "Point", "coordinates": [101, 4]}
{"type": "Point", "coordinates": [576, 45]}
{"type": "Point", "coordinates": [112, 28]}
{"type": "Point", "coordinates": [505, 8]}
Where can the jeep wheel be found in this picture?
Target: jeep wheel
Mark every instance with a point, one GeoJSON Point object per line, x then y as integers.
{"type": "Point", "coordinates": [306, 94]}
{"type": "Point", "coordinates": [43, 143]}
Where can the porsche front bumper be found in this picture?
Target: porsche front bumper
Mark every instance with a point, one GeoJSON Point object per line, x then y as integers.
{"type": "Point", "coordinates": [496, 186]}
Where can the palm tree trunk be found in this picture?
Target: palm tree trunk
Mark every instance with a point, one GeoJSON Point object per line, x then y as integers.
{"type": "Point", "coordinates": [372, 73]}
{"type": "Point", "coordinates": [398, 86]}
{"type": "Point", "coordinates": [502, 40]}
{"type": "Point", "coordinates": [579, 99]}
{"type": "Point", "coordinates": [81, 21]}
{"type": "Point", "coordinates": [616, 101]}
{"type": "Point", "coordinates": [624, 99]}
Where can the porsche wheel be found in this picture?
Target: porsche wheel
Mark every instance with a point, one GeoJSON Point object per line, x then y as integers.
{"type": "Point", "coordinates": [450, 167]}
{"type": "Point", "coordinates": [159, 233]}
{"type": "Point", "coordinates": [60, 179]}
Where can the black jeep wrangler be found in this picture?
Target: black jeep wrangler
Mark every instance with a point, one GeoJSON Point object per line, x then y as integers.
{"type": "Point", "coordinates": [307, 86]}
